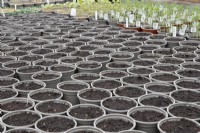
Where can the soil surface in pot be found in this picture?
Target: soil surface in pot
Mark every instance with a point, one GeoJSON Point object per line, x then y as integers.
{"type": "Point", "coordinates": [164, 51]}
{"type": "Point", "coordinates": [22, 119]}
{"type": "Point", "coordinates": [6, 94]}
{"type": "Point", "coordinates": [124, 56]}
{"type": "Point", "coordinates": [31, 69]}
{"type": "Point", "coordinates": [47, 76]}
{"type": "Point", "coordinates": [42, 51]}
{"type": "Point", "coordinates": [89, 65]}
{"type": "Point", "coordinates": [166, 68]}
{"type": "Point", "coordinates": [189, 73]}
{"type": "Point", "coordinates": [61, 68]}
{"type": "Point", "coordinates": [185, 55]}
{"type": "Point", "coordinates": [23, 131]}
{"type": "Point", "coordinates": [18, 53]}
{"type": "Point", "coordinates": [107, 84]}
{"type": "Point", "coordinates": [55, 56]}
{"type": "Point", "coordinates": [192, 66]}
{"type": "Point", "coordinates": [86, 112]}
{"type": "Point", "coordinates": [16, 64]}
{"type": "Point", "coordinates": [114, 125]}
{"type": "Point", "coordinates": [189, 84]}
{"type": "Point", "coordinates": [130, 49]}
{"type": "Point", "coordinates": [186, 96]}
{"type": "Point", "coordinates": [67, 49]}
{"type": "Point", "coordinates": [157, 101]}
{"type": "Point", "coordinates": [45, 95]}
{"type": "Point", "coordinates": [52, 107]}
{"type": "Point", "coordinates": [94, 94]}
{"type": "Point", "coordinates": [182, 126]}
{"type": "Point", "coordinates": [81, 53]}
{"type": "Point", "coordinates": [161, 88]}
{"type": "Point", "coordinates": [1, 128]}
{"type": "Point", "coordinates": [185, 111]}
{"type": "Point", "coordinates": [28, 86]}
{"type": "Point", "coordinates": [55, 124]}
{"type": "Point", "coordinates": [171, 60]}
{"type": "Point", "coordinates": [129, 91]}
{"type": "Point", "coordinates": [114, 74]}
{"type": "Point", "coordinates": [73, 87]}
{"type": "Point", "coordinates": [119, 65]}
{"type": "Point", "coordinates": [15, 105]}
{"type": "Point", "coordinates": [72, 60]}
{"type": "Point", "coordinates": [4, 72]}
{"type": "Point", "coordinates": [147, 116]}
{"type": "Point", "coordinates": [87, 76]}
{"type": "Point", "coordinates": [136, 80]}
{"type": "Point", "coordinates": [118, 104]}
{"type": "Point", "coordinates": [104, 51]}
{"type": "Point", "coordinates": [5, 59]}
{"type": "Point", "coordinates": [31, 57]}
{"type": "Point", "coordinates": [7, 82]}
{"type": "Point", "coordinates": [141, 70]}
{"type": "Point", "coordinates": [99, 58]}
{"type": "Point", "coordinates": [144, 63]}
{"type": "Point", "coordinates": [165, 77]}
{"type": "Point", "coordinates": [47, 62]}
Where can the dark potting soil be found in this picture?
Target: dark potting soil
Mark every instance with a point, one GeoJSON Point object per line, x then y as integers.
{"type": "Point", "coordinates": [39, 42]}
{"type": "Point", "coordinates": [124, 36]}
{"type": "Point", "coordinates": [156, 42]}
{"type": "Point", "coordinates": [116, 40]}
{"type": "Point", "coordinates": [55, 124]}
{"type": "Point", "coordinates": [15, 105]}
{"type": "Point", "coordinates": [88, 131]}
{"type": "Point", "coordinates": [161, 88]}
{"type": "Point", "coordinates": [5, 59]}
{"type": "Point", "coordinates": [185, 49]}
{"type": "Point", "coordinates": [30, 69]}
{"type": "Point", "coordinates": [121, 56]}
{"type": "Point", "coordinates": [73, 87]}
{"type": "Point", "coordinates": [119, 65]}
{"type": "Point", "coordinates": [94, 94]}
{"type": "Point", "coordinates": [23, 131]}
{"type": "Point", "coordinates": [52, 107]}
{"type": "Point", "coordinates": [68, 49]}
{"type": "Point", "coordinates": [31, 57]}
{"type": "Point", "coordinates": [6, 94]}
{"type": "Point", "coordinates": [89, 65]}
{"type": "Point", "coordinates": [175, 39]}
{"type": "Point", "coordinates": [46, 62]}
{"type": "Point", "coordinates": [22, 119]}
{"type": "Point", "coordinates": [165, 77]}
{"type": "Point", "coordinates": [16, 44]}
{"type": "Point", "coordinates": [144, 63]}
{"type": "Point", "coordinates": [75, 44]}
{"type": "Point", "coordinates": [114, 125]}
{"type": "Point", "coordinates": [166, 68]}
{"type": "Point", "coordinates": [132, 44]}
{"type": "Point", "coordinates": [28, 86]}
{"type": "Point", "coordinates": [6, 48]}
{"type": "Point", "coordinates": [86, 112]}
{"type": "Point", "coordinates": [171, 60]}
{"type": "Point", "coordinates": [81, 53]}
{"type": "Point", "coordinates": [189, 73]}
{"type": "Point", "coordinates": [189, 84]}
{"type": "Point", "coordinates": [72, 60]}
{"type": "Point", "coordinates": [186, 96]}
{"type": "Point", "coordinates": [130, 49]}
{"type": "Point", "coordinates": [7, 82]}
{"type": "Point", "coordinates": [83, 39]}
{"type": "Point", "coordinates": [129, 91]}
{"type": "Point", "coordinates": [55, 56]}
{"type": "Point", "coordinates": [142, 34]}
{"type": "Point", "coordinates": [110, 33]}
{"type": "Point", "coordinates": [192, 66]}
{"type": "Point", "coordinates": [1, 128]}
{"type": "Point", "coordinates": [27, 48]}
{"type": "Point", "coordinates": [114, 74]}
{"type": "Point", "coordinates": [42, 51]}
{"type": "Point", "coordinates": [165, 51]}
{"type": "Point", "coordinates": [157, 101]}
{"type": "Point", "coordinates": [99, 58]}
{"type": "Point", "coordinates": [150, 56]}
{"type": "Point", "coordinates": [87, 76]}
{"type": "Point", "coordinates": [141, 39]}
{"type": "Point", "coordinates": [148, 47]}
{"type": "Point", "coordinates": [62, 68]}
{"type": "Point", "coordinates": [4, 72]}
{"type": "Point", "coordinates": [113, 45]}
{"type": "Point", "coordinates": [181, 126]}
{"type": "Point", "coordinates": [98, 42]}
{"type": "Point", "coordinates": [147, 116]}
{"type": "Point", "coordinates": [18, 53]}
{"type": "Point", "coordinates": [141, 70]}
{"type": "Point", "coordinates": [185, 55]}
{"type": "Point", "coordinates": [107, 84]}
{"type": "Point", "coordinates": [104, 51]}
{"type": "Point", "coordinates": [88, 47]}
{"type": "Point", "coordinates": [46, 76]}
{"type": "Point", "coordinates": [185, 111]}
{"type": "Point", "coordinates": [45, 95]}
{"type": "Point", "coordinates": [16, 64]}
{"type": "Point", "coordinates": [118, 104]}
{"type": "Point", "coordinates": [136, 80]}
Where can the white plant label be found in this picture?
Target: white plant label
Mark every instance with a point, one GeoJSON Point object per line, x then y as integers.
{"type": "Point", "coordinates": [105, 16]}
{"type": "Point", "coordinates": [155, 26]}
{"type": "Point", "coordinates": [126, 22]}
{"type": "Point", "coordinates": [101, 15]}
{"type": "Point", "coordinates": [3, 14]}
{"type": "Point", "coordinates": [15, 7]}
{"type": "Point", "coordinates": [73, 12]}
{"type": "Point", "coordinates": [2, 3]}
{"type": "Point", "coordinates": [184, 26]}
{"type": "Point", "coordinates": [193, 29]}
{"type": "Point", "coordinates": [117, 14]}
{"type": "Point", "coordinates": [143, 18]}
{"type": "Point", "coordinates": [150, 21]}
{"type": "Point", "coordinates": [161, 19]}
{"type": "Point", "coordinates": [138, 24]}
{"type": "Point", "coordinates": [182, 32]}
{"type": "Point", "coordinates": [112, 13]}
{"type": "Point", "coordinates": [96, 15]}
{"type": "Point", "coordinates": [48, 2]}
{"type": "Point", "coordinates": [121, 19]}
{"type": "Point", "coordinates": [174, 31]}
{"type": "Point", "coordinates": [128, 13]}
{"type": "Point", "coordinates": [131, 18]}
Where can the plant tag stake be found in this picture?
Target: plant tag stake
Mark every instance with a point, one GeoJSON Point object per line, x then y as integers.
{"type": "Point", "coordinates": [73, 12]}
{"type": "Point", "coordinates": [138, 24]}
{"type": "Point", "coordinates": [15, 7]}
{"type": "Point", "coordinates": [105, 16]}
{"type": "Point", "coordinates": [149, 20]}
{"type": "Point", "coordinates": [117, 14]}
{"type": "Point", "coordinates": [155, 26]}
{"type": "Point", "coordinates": [3, 14]}
{"type": "Point", "coordinates": [96, 15]}
{"type": "Point", "coordinates": [2, 3]}
{"type": "Point", "coordinates": [112, 13]}
{"type": "Point", "coordinates": [126, 22]}
{"type": "Point", "coordinates": [48, 2]}
{"type": "Point", "coordinates": [174, 31]}
{"type": "Point", "coordinates": [193, 29]}
{"type": "Point", "coordinates": [143, 18]}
